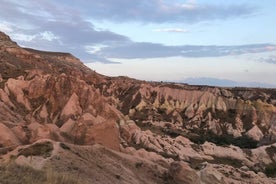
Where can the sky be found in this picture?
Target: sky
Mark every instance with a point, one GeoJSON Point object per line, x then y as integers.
{"type": "Point", "coordinates": [212, 42]}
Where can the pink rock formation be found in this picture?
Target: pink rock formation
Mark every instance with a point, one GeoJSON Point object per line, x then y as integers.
{"type": "Point", "coordinates": [129, 131]}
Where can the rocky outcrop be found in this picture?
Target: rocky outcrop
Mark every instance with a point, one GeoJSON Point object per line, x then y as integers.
{"type": "Point", "coordinates": [209, 175]}
{"type": "Point", "coordinates": [50, 95]}
{"type": "Point", "coordinates": [255, 133]}
{"type": "Point", "coordinates": [182, 173]}
{"type": "Point", "coordinates": [7, 137]}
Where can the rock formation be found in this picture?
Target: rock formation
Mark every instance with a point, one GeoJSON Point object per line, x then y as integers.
{"type": "Point", "coordinates": [57, 114]}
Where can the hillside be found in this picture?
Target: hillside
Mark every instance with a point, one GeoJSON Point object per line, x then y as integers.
{"type": "Point", "coordinates": [68, 124]}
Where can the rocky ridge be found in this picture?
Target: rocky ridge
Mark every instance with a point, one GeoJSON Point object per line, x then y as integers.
{"type": "Point", "coordinates": [166, 130]}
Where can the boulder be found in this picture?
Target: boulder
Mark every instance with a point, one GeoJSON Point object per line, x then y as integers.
{"type": "Point", "coordinates": [210, 175]}
{"type": "Point", "coordinates": [106, 134]}
{"type": "Point", "coordinates": [255, 133]}
{"type": "Point", "coordinates": [72, 107]}
{"type": "Point", "coordinates": [183, 173]}
{"type": "Point", "coordinates": [7, 137]}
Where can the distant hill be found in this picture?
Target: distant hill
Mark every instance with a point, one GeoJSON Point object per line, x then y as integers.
{"type": "Point", "coordinates": [224, 82]}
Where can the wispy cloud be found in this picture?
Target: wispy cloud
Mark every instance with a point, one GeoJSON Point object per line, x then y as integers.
{"type": "Point", "coordinates": [132, 50]}
{"type": "Point", "coordinates": [53, 28]}
{"type": "Point", "coordinates": [6, 27]}
{"type": "Point", "coordinates": [270, 59]}
{"type": "Point", "coordinates": [146, 11]}
{"type": "Point", "coordinates": [158, 11]}
{"type": "Point", "coordinates": [171, 30]}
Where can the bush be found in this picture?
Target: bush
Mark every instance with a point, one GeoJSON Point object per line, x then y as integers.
{"type": "Point", "coordinates": [270, 170]}
{"type": "Point", "coordinates": [38, 149]}
{"type": "Point", "coordinates": [225, 140]}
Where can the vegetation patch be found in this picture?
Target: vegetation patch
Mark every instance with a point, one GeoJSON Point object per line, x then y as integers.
{"type": "Point", "coordinates": [39, 149]}
{"type": "Point", "coordinates": [141, 115]}
{"type": "Point", "coordinates": [15, 174]}
{"type": "Point", "coordinates": [228, 116]}
{"type": "Point", "coordinates": [196, 163]}
{"type": "Point", "coordinates": [148, 126]}
{"type": "Point", "coordinates": [227, 161]}
{"type": "Point", "coordinates": [271, 151]}
{"type": "Point", "coordinates": [64, 146]}
{"type": "Point", "coordinates": [270, 170]}
{"type": "Point", "coordinates": [248, 152]}
{"type": "Point", "coordinates": [138, 164]}
{"type": "Point", "coordinates": [225, 140]}
{"type": "Point", "coordinates": [242, 142]}
{"type": "Point", "coordinates": [247, 120]}
{"type": "Point", "coordinates": [36, 102]}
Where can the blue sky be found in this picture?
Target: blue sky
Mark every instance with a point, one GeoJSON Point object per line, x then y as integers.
{"type": "Point", "coordinates": [211, 42]}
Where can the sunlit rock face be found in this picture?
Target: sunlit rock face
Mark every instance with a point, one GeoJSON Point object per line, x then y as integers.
{"type": "Point", "coordinates": [52, 95]}
{"type": "Point", "coordinates": [158, 132]}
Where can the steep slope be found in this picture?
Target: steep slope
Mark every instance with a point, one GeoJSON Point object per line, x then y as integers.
{"type": "Point", "coordinates": [51, 95]}
{"type": "Point", "coordinates": [53, 109]}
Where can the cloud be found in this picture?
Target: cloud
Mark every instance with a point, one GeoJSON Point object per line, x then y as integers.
{"type": "Point", "coordinates": [160, 11]}
{"type": "Point", "coordinates": [42, 25]}
{"type": "Point", "coordinates": [80, 32]}
{"type": "Point", "coordinates": [48, 35]}
{"type": "Point", "coordinates": [270, 59]}
{"type": "Point", "coordinates": [56, 26]}
{"type": "Point", "coordinates": [171, 30]}
{"type": "Point", "coordinates": [5, 27]}
{"type": "Point", "coordinates": [133, 50]}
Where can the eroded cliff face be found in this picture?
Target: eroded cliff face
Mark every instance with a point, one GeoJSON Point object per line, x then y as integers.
{"type": "Point", "coordinates": [217, 135]}
{"type": "Point", "coordinates": [221, 115]}
{"type": "Point", "coordinates": [52, 95]}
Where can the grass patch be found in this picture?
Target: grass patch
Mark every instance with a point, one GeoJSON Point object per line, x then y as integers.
{"type": "Point", "coordinates": [15, 174]}
{"type": "Point", "coordinates": [53, 177]}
